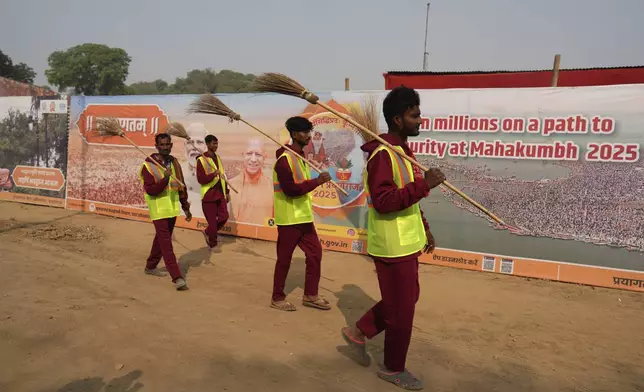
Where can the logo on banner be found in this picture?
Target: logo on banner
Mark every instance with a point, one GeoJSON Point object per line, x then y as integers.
{"type": "Point", "coordinates": [54, 106]}
{"type": "Point", "coordinates": [140, 123]}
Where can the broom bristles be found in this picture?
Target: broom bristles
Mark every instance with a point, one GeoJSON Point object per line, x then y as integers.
{"type": "Point", "coordinates": [366, 114]}
{"type": "Point", "coordinates": [272, 82]}
{"type": "Point", "coordinates": [177, 129]}
{"type": "Point", "coordinates": [109, 127]}
{"type": "Point", "coordinates": [209, 104]}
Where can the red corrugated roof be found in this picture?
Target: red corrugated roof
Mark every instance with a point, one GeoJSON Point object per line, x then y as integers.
{"type": "Point", "coordinates": [11, 88]}
{"type": "Point", "coordinates": [515, 79]}
{"type": "Point", "coordinates": [475, 72]}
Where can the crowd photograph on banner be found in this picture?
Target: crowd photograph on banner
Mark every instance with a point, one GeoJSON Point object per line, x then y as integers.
{"type": "Point", "coordinates": [465, 218]}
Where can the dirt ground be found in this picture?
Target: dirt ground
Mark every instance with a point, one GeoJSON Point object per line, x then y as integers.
{"type": "Point", "coordinates": [77, 314]}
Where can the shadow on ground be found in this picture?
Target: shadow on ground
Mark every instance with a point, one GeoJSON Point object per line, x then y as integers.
{"type": "Point", "coordinates": [126, 383]}
{"type": "Point", "coordinates": [194, 259]}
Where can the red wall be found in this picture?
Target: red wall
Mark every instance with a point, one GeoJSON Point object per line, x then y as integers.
{"type": "Point", "coordinates": [567, 78]}
{"type": "Point", "coordinates": [11, 88]}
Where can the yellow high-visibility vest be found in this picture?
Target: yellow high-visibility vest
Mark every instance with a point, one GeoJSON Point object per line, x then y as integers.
{"type": "Point", "coordinates": [400, 233]}
{"type": "Point", "coordinates": [209, 168]}
{"type": "Point", "coordinates": [292, 210]}
{"type": "Point", "coordinates": [165, 204]}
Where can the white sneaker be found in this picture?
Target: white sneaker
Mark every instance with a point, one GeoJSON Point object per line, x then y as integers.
{"type": "Point", "coordinates": [180, 284]}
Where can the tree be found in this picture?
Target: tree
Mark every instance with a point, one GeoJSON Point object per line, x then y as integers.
{"type": "Point", "coordinates": [90, 69]}
{"type": "Point", "coordinates": [17, 143]}
{"type": "Point", "coordinates": [198, 81]}
{"type": "Point", "coordinates": [20, 72]}
{"type": "Point", "coordinates": [149, 88]}
{"type": "Point", "coordinates": [234, 82]}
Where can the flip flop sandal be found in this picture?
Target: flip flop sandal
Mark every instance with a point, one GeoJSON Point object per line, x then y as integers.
{"type": "Point", "coordinates": [285, 306]}
{"type": "Point", "coordinates": [404, 380]}
{"type": "Point", "coordinates": [320, 303]}
{"type": "Point", "coordinates": [359, 348]}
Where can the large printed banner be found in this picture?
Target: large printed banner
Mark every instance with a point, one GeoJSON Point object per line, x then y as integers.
{"type": "Point", "coordinates": [560, 166]}
{"type": "Point", "coordinates": [33, 150]}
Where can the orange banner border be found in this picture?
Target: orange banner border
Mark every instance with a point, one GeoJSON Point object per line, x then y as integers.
{"type": "Point", "coordinates": [26, 198]}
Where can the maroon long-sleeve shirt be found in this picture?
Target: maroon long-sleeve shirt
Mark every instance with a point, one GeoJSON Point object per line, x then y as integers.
{"type": "Point", "coordinates": [285, 175]}
{"type": "Point", "coordinates": [385, 194]}
{"type": "Point", "coordinates": [215, 193]}
{"type": "Point", "coordinates": [153, 188]}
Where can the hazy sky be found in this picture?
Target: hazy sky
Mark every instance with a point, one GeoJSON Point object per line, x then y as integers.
{"type": "Point", "coordinates": [319, 43]}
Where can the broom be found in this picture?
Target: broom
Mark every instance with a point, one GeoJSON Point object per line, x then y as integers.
{"type": "Point", "coordinates": [177, 129]}
{"type": "Point", "coordinates": [112, 127]}
{"type": "Point", "coordinates": [366, 113]}
{"type": "Point", "coordinates": [281, 84]}
{"type": "Point", "coordinates": [209, 104]}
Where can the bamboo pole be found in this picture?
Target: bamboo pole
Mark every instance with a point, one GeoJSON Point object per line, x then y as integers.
{"type": "Point", "coordinates": [555, 71]}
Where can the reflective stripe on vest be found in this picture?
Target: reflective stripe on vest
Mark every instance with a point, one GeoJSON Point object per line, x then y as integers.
{"type": "Point", "coordinates": [400, 233]}
{"type": "Point", "coordinates": [292, 210]}
{"type": "Point", "coordinates": [208, 165]}
{"type": "Point", "coordinates": [165, 204]}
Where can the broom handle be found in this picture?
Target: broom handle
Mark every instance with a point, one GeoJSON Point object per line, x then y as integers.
{"type": "Point", "coordinates": [229, 185]}
{"type": "Point", "coordinates": [225, 178]}
{"type": "Point", "coordinates": [153, 160]}
{"type": "Point", "coordinates": [409, 159]}
{"type": "Point", "coordinates": [296, 154]}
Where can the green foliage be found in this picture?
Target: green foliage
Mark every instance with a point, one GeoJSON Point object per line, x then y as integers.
{"type": "Point", "coordinates": [20, 72]}
{"type": "Point", "coordinates": [17, 143]}
{"type": "Point", "coordinates": [149, 88]}
{"type": "Point", "coordinates": [93, 69]}
{"type": "Point", "coordinates": [90, 69]}
{"type": "Point", "coordinates": [198, 81]}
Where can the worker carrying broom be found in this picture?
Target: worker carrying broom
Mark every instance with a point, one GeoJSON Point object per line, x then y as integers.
{"type": "Point", "coordinates": [164, 195]}
{"type": "Point", "coordinates": [293, 212]}
{"type": "Point", "coordinates": [397, 233]}
{"type": "Point", "coordinates": [215, 194]}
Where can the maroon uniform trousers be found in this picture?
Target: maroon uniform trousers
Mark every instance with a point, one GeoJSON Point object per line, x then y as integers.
{"type": "Point", "coordinates": [288, 238]}
{"type": "Point", "coordinates": [162, 247]}
{"type": "Point", "coordinates": [394, 314]}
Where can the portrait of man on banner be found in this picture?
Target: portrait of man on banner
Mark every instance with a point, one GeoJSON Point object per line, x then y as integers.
{"type": "Point", "coordinates": [254, 203]}
{"type": "Point", "coordinates": [193, 148]}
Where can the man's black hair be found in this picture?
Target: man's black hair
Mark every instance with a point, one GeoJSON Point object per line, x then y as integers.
{"type": "Point", "coordinates": [160, 136]}
{"type": "Point", "coordinates": [397, 102]}
{"type": "Point", "coordinates": [298, 124]}
{"type": "Point", "coordinates": [211, 138]}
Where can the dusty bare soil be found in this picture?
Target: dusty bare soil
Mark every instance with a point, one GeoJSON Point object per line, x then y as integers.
{"type": "Point", "coordinates": [77, 314]}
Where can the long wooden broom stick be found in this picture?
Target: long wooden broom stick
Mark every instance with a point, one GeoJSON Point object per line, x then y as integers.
{"type": "Point", "coordinates": [112, 127]}
{"type": "Point", "coordinates": [178, 130]}
{"type": "Point", "coordinates": [209, 104]}
{"type": "Point", "coordinates": [281, 84]}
